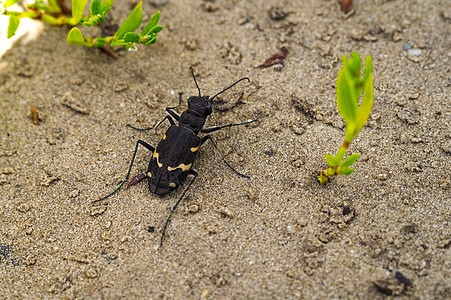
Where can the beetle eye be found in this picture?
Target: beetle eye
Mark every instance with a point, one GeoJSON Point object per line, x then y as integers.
{"type": "Point", "coordinates": [208, 108]}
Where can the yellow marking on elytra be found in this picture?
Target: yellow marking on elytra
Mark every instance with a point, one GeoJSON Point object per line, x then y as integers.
{"type": "Point", "coordinates": [172, 185]}
{"type": "Point", "coordinates": [156, 155]}
{"type": "Point", "coordinates": [194, 149]}
{"type": "Point", "coordinates": [164, 136]}
{"type": "Point", "coordinates": [181, 166]}
{"type": "Point", "coordinates": [149, 174]}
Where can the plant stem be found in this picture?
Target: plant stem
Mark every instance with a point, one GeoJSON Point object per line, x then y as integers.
{"type": "Point", "coordinates": [324, 177]}
{"type": "Point", "coordinates": [342, 151]}
{"type": "Point", "coordinates": [35, 14]}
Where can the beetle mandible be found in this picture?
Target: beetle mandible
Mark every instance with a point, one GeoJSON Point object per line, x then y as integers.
{"type": "Point", "coordinates": [173, 158]}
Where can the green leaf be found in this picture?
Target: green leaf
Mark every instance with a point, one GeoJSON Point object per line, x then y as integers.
{"type": "Point", "coordinates": [146, 38]}
{"type": "Point", "coordinates": [332, 161]}
{"type": "Point", "coordinates": [156, 29]}
{"type": "Point", "coordinates": [75, 37]}
{"type": "Point", "coordinates": [346, 102]}
{"type": "Point", "coordinates": [132, 22]}
{"type": "Point", "coordinates": [78, 8]}
{"type": "Point", "coordinates": [131, 37]}
{"type": "Point", "coordinates": [152, 23]}
{"type": "Point", "coordinates": [350, 160]}
{"type": "Point", "coordinates": [13, 25]}
{"type": "Point", "coordinates": [99, 42]}
{"type": "Point", "coordinates": [355, 64]}
{"type": "Point", "coordinates": [119, 42]}
{"type": "Point", "coordinates": [106, 6]}
{"type": "Point", "coordinates": [345, 171]}
{"type": "Point", "coordinates": [95, 7]}
{"type": "Point", "coordinates": [368, 68]}
{"type": "Point", "coordinates": [93, 20]}
{"type": "Point", "coordinates": [368, 97]}
{"type": "Point", "coordinates": [9, 3]}
{"type": "Point", "coordinates": [151, 41]}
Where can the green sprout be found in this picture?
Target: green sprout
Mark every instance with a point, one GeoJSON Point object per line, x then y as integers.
{"type": "Point", "coordinates": [52, 12]}
{"type": "Point", "coordinates": [350, 86]}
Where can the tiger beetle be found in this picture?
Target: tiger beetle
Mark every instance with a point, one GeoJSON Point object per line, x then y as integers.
{"type": "Point", "coordinates": [174, 156]}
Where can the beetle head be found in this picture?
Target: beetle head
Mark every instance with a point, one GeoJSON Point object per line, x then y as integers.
{"type": "Point", "coordinates": [200, 104]}
{"type": "Point", "coordinates": [204, 104]}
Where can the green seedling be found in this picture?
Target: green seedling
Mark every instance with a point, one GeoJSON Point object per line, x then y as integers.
{"type": "Point", "coordinates": [350, 86]}
{"type": "Point", "coordinates": [51, 12]}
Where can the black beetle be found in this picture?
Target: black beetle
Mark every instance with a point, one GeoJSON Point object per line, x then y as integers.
{"type": "Point", "coordinates": [175, 154]}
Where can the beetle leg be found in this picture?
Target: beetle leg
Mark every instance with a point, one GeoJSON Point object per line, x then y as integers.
{"type": "Point", "coordinates": [216, 128]}
{"type": "Point", "coordinates": [165, 118]}
{"type": "Point", "coordinates": [191, 172]}
{"type": "Point", "coordinates": [136, 128]}
{"type": "Point", "coordinates": [208, 137]}
{"type": "Point", "coordinates": [173, 113]}
{"type": "Point", "coordinates": [139, 142]}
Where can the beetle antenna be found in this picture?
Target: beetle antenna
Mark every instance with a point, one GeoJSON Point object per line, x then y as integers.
{"type": "Point", "coordinates": [195, 81]}
{"type": "Point", "coordinates": [230, 87]}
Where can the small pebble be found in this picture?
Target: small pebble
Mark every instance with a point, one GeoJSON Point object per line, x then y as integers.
{"type": "Point", "coordinates": [73, 103]}
{"type": "Point", "coordinates": [74, 193]}
{"type": "Point", "coordinates": [414, 52]}
{"type": "Point", "coordinates": [446, 146]}
{"type": "Point", "coordinates": [277, 13]}
{"type": "Point", "coordinates": [227, 213]}
{"type": "Point", "coordinates": [23, 207]}
{"type": "Point", "coordinates": [3, 179]}
{"type": "Point", "coordinates": [243, 20]}
{"type": "Point", "coordinates": [98, 210]}
{"type": "Point", "coordinates": [220, 281]}
{"type": "Point", "coordinates": [298, 130]}
{"type": "Point", "coordinates": [212, 229]}
{"type": "Point", "coordinates": [405, 46]}
{"type": "Point", "coordinates": [209, 7]}
{"type": "Point", "coordinates": [51, 140]}
{"type": "Point", "coordinates": [106, 236]}
{"type": "Point", "coordinates": [383, 176]}
{"type": "Point", "coordinates": [346, 210]}
{"type": "Point", "coordinates": [158, 3]}
{"type": "Point", "coordinates": [278, 67]}
{"type": "Point", "coordinates": [302, 222]}
{"type": "Point", "coordinates": [120, 86]}
{"type": "Point", "coordinates": [205, 293]}
{"type": "Point", "coordinates": [29, 230]}
{"type": "Point", "coordinates": [30, 260]}
{"type": "Point", "coordinates": [91, 273]}
{"type": "Point", "coordinates": [445, 243]}
{"type": "Point", "coordinates": [7, 170]}
{"type": "Point", "coordinates": [191, 45]}
{"type": "Point", "coordinates": [269, 152]}
{"type": "Point", "coordinates": [193, 208]}
{"type": "Point", "coordinates": [408, 116]}
{"type": "Point", "coordinates": [76, 81]}
{"type": "Point", "coordinates": [251, 193]}
{"type": "Point", "coordinates": [46, 179]}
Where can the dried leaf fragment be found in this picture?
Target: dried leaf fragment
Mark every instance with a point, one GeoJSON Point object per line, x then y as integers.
{"type": "Point", "coordinates": [277, 58]}
{"type": "Point", "coordinates": [34, 115]}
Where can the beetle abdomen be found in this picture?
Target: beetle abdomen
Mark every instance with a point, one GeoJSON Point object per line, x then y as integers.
{"type": "Point", "coordinates": [172, 160]}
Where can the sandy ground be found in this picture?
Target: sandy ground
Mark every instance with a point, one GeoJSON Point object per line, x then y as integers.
{"type": "Point", "coordinates": [279, 234]}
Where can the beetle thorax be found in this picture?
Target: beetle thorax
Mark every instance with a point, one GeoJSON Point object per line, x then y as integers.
{"type": "Point", "coordinates": [192, 121]}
